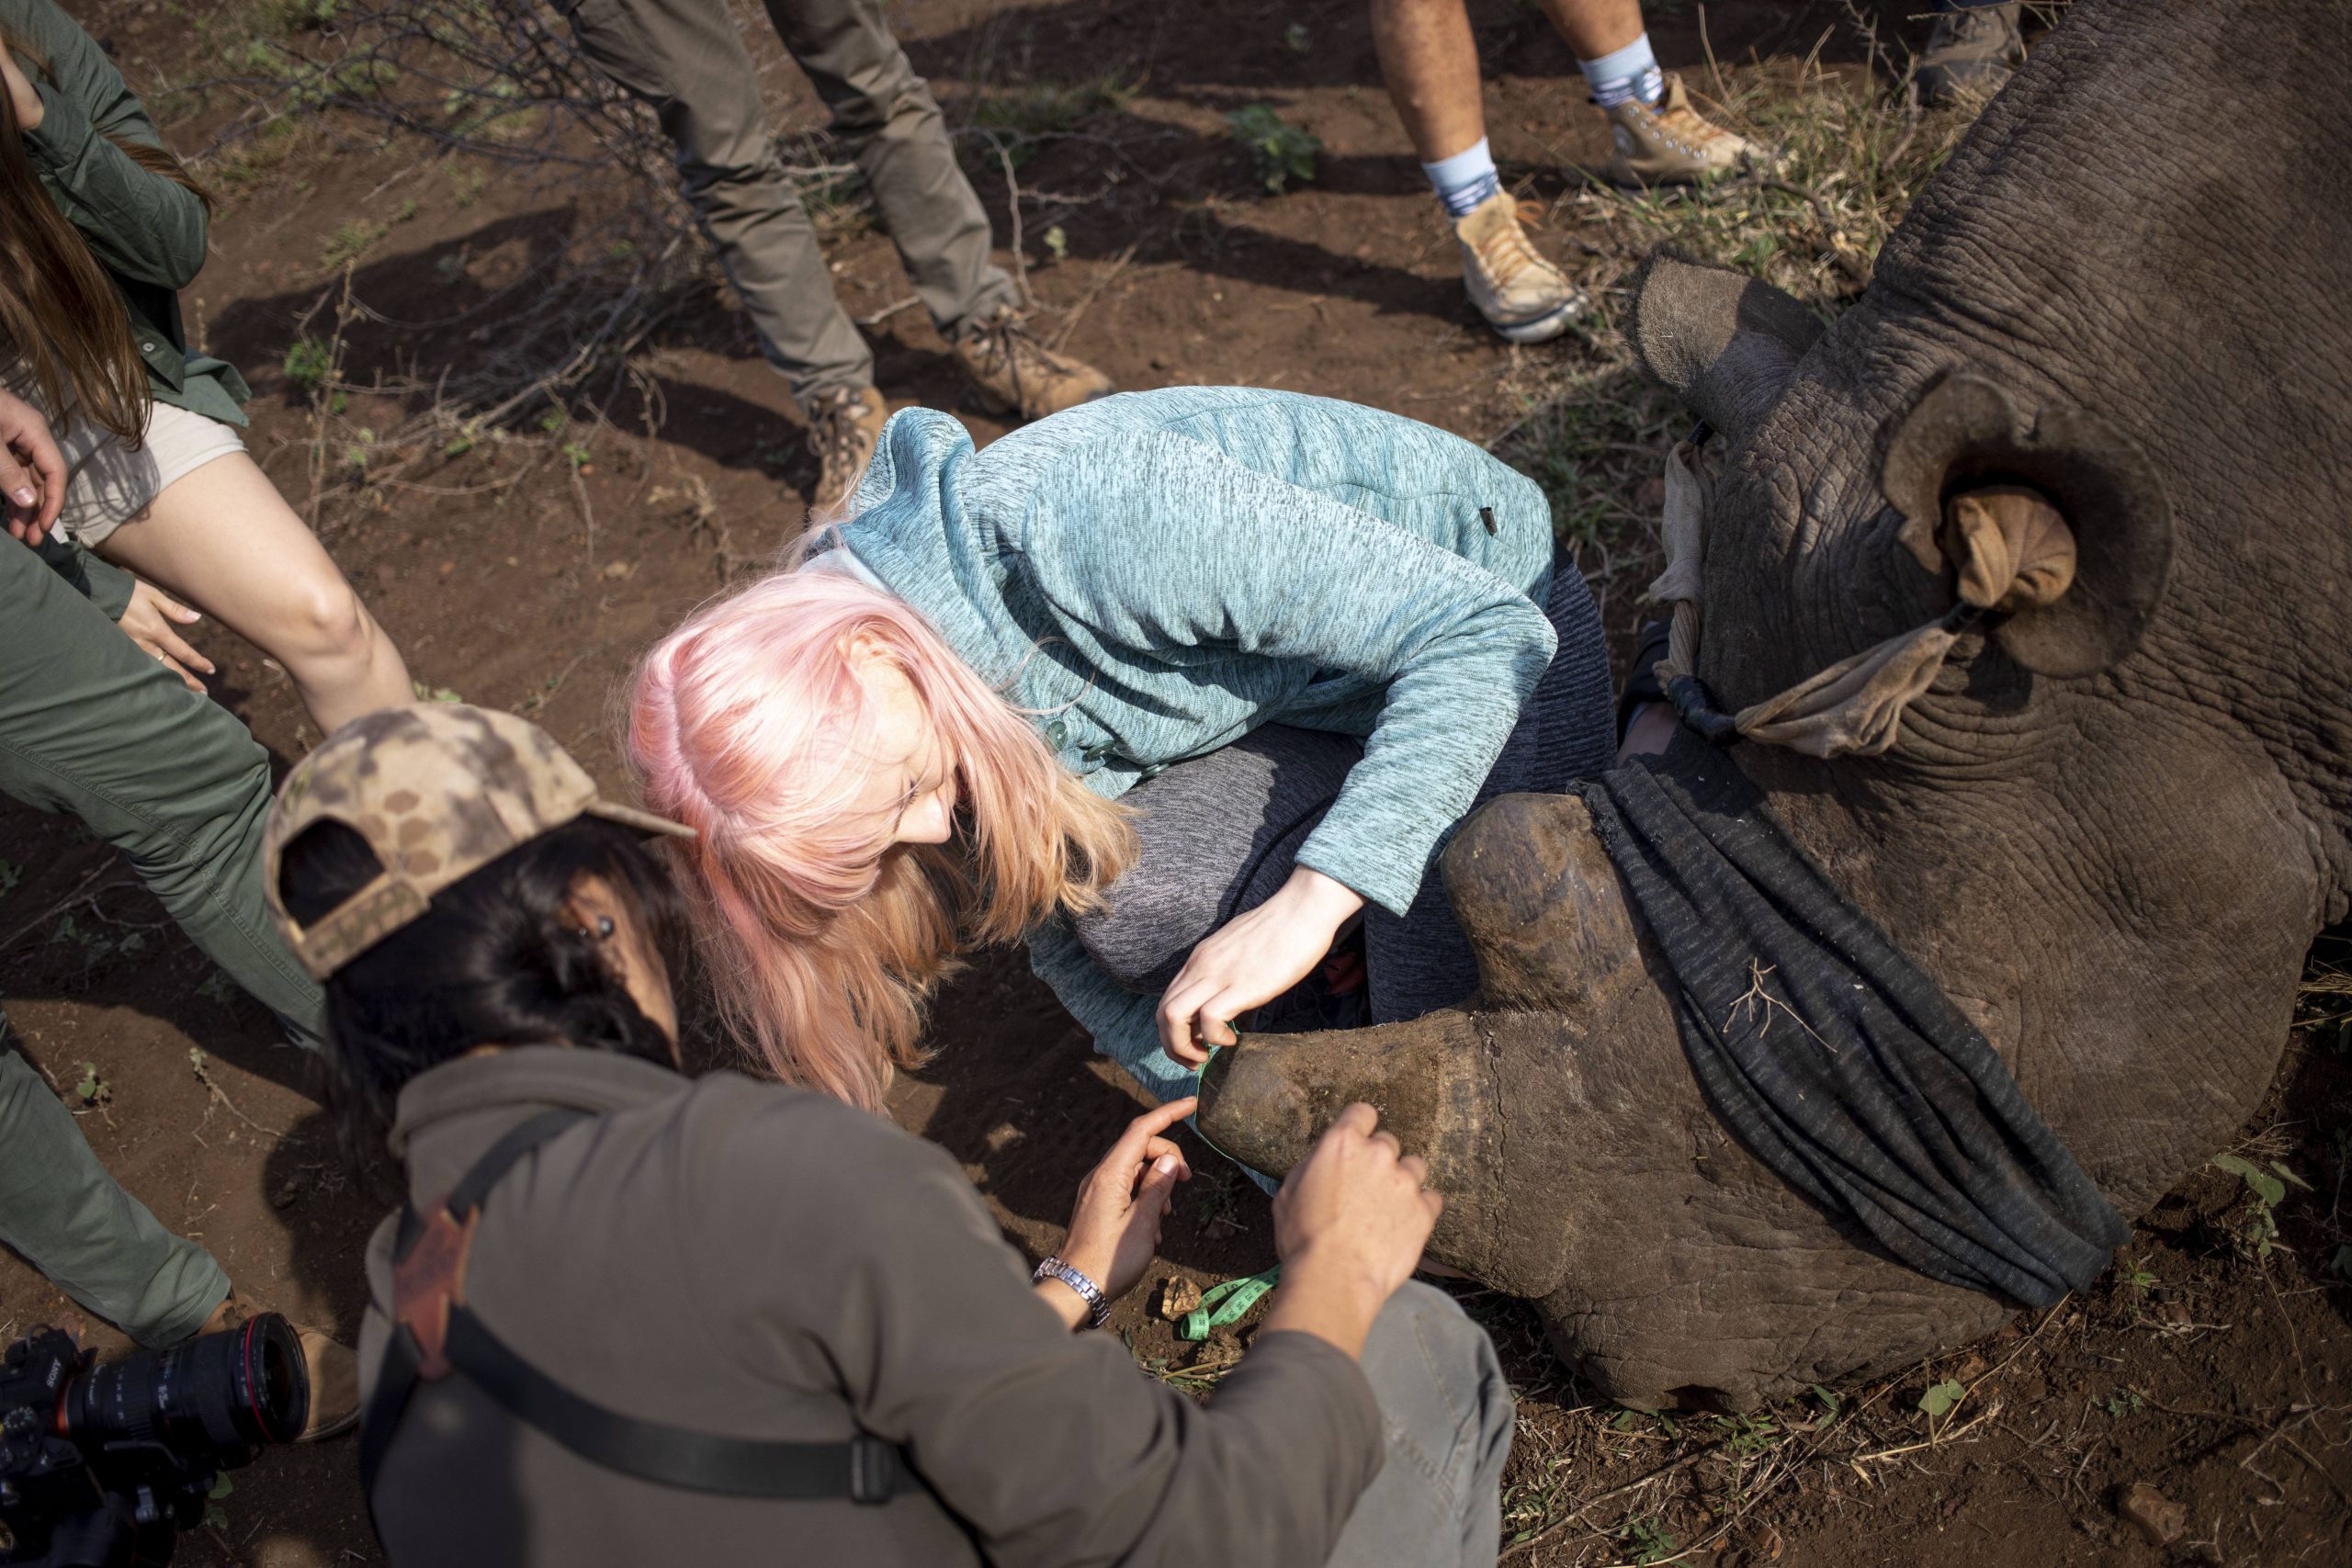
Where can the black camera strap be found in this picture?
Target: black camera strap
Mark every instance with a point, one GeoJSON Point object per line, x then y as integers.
{"type": "Point", "coordinates": [434, 1334]}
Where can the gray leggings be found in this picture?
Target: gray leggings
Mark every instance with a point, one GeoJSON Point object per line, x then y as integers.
{"type": "Point", "coordinates": [1221, 833]}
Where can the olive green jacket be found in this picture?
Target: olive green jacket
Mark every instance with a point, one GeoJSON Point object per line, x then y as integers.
{"type": "Point", "coordinates": [148, 231]}
{"type": "Point", "coordinates": [759, 1261]}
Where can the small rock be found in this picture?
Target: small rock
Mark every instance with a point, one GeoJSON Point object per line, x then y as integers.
{"type": "Point", "coordinates": [1178, 1296]}
{"type": "Point", "coordinates": [2160, 1519]}
{"type": "Point", "coordinates": [619, 569]}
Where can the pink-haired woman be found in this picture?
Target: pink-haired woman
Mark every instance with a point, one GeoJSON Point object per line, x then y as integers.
{"type": "Point", "coordinates": [1177, 686]}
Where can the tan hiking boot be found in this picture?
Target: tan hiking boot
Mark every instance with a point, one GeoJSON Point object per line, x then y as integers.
{"type": "Point", "coordinates": [1522, 296]}
{"type": "Point", "coordinates": [334, 1368]}
{"type": "Point", "coordinates": [1668, 142]}
{"type": "Point", "coordinates": [1971, 53]}
{"type": "Point", "coordinates": [1015, 373]}
{"type": "Point", "coordinates": [844, 427]}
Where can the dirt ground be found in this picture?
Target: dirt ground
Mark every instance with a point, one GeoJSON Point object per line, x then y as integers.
{"type": "Point", "coordinates": [526, 572]}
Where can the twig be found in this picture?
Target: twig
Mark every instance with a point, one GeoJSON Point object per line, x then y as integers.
{"type": "Point", "coordinates": [1013, 205]}
{"type": "Point", "coordinates": [1660, 1473]}
{"type": "Point", "coordinates": [82, 889]}
{"type": "Point", "coordinates": [204, 1076]}
{"type": "Point", "coordinates": [1094, 291]}
{"type": "Point", "coordinates": [587, 512]}
{"type": "Point", "coordinates": [886, 311]}
{"type": "Point", "coordinates": [1936, 1441]}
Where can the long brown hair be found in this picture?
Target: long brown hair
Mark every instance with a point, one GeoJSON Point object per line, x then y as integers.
{"type": "Point", "coordinates": [60, 309]}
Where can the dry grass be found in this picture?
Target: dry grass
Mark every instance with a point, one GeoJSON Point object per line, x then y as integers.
{"type": "Point", "coordinates": [1590, 430]}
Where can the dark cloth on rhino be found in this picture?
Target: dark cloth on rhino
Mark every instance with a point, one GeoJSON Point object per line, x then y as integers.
{"type": "Point", "coordinates": [1834, 1057]}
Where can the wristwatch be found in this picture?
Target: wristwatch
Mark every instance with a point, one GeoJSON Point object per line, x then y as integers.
{"type": "Point", "coordinates": [1098, 1310]}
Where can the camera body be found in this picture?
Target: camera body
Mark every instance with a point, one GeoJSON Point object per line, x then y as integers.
{"type": "Point", "coordinates": [103, 1466]}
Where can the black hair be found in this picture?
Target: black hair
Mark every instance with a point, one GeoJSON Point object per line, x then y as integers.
{"type": "Point", "coordinates": [496, 961]}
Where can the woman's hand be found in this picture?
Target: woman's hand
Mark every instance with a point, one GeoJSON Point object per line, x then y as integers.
{"type": "Point", "coordinates": [1253, 959]}
{"type": "Point", "coordinates": [1115, 1229]}
{"type": "Point", "coordinates": [1350, 1223]}
{"type": "Point", "coordinates": [148, 621]}
{"type": "Point", "coordinates": [32, 470]}
{"type": "Point", "coordinates": [21, 92]}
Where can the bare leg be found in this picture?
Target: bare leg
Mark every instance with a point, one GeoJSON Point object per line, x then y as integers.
{"type": "Point", "coordinates": [1431, 63]}
{"type": "Point", "coordinates": [223, 539]}
{"type": "Point", "coordinates": [1595, 28]}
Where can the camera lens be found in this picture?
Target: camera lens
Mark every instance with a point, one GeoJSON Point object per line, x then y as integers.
{"type": "Point", "coordinates": [228, 1392]}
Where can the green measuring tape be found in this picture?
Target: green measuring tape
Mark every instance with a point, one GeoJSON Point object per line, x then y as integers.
{"type": "Point", "coordinates": [1228, 1303]}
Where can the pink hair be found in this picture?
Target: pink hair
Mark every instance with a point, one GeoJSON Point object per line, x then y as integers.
{"type": "Point", "coordinates": [750, 724]}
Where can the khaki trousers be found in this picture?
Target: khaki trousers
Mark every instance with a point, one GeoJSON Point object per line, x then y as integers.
{"type": "Point", "coordinates": [686, 60]}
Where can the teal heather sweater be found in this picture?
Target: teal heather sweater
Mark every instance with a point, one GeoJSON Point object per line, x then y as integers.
{"type": "Point", "coordinates": [1155, 575]}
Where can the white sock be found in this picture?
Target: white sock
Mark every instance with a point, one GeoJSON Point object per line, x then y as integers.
{"type": "Point", "coordinates": [1624, 74]}
{"type": "Point", "coordinates": [1464, 180]}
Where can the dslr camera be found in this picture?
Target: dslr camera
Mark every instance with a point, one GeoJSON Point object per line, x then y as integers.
{"type": "Point", "coordinates": [103, 1466]}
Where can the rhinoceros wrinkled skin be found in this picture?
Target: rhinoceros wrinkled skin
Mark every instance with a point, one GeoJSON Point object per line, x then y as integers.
{"type": "Point", "coordinates": [2111, 827]}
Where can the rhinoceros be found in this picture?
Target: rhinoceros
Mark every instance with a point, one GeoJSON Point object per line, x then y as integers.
{"type": "Point", "coordinates": [2109, 827]}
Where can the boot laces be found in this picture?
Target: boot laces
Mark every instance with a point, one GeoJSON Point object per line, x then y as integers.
{"type": "Point", "coordinates": [839, 438]}
{"type": "Point", "coordinates": [1004, 340]}
{"type": "Point", "coordinates": [1508, 251]}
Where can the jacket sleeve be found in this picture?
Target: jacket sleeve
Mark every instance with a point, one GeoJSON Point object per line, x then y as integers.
{"type": "Point", "coordinates": [1124, 1023]}
{"type": "Point", "coordinates": [99, 580]}
{"type": "Point", "coordinates": [1160, 542]}
{"type": "Point", "coordinates": [139, 224]}
{"type": "Point", "coordinates": [1052, 1447]}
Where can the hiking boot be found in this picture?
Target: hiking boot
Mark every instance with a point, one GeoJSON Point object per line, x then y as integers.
{"type": "Point", "coordinates": [1015, 373]}
{"type": "Point", "coordinates": [1522, 296]}
{"type": "Point", "coordinates": [1971, 53]}
{"type": "Point", "coordinates": [844, 425]}
{"type": "Point", "coordinates": [1668, 142]}
{"type": "Point", "coordinates": [334, 1368]}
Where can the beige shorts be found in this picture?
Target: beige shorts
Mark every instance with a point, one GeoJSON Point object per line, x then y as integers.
{"type": "Point", "coordinates": [109, 481]}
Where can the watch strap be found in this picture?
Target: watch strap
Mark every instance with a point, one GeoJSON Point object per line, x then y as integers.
{"type": "Point", "coordinates": [1098, 1307]}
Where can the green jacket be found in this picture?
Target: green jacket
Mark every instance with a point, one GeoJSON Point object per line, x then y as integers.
{"type": "Point", "coordinates": [1156, 574]}
{"type": "Point", "coordinates": [148, 231]}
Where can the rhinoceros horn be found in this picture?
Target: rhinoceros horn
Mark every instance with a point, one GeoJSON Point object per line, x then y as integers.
{"type": "Point", "coordinates": [1497, 1095]}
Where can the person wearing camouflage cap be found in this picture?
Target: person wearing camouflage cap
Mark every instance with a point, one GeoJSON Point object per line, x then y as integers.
{"type": "Point", "coordinates": [438, 791]}
{"type": "Point", "coordinates": [631, 1316]}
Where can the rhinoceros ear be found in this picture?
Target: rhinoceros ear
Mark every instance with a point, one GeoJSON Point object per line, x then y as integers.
{"type": "Point", "coordinates": [1965, 436]}
{"type": "Point", "coordinates": [1724, 341]}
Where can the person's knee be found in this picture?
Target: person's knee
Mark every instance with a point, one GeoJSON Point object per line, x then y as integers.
{"type": "Point", "coordinates": [332, 624]}
{"type": "Point", "coordinates": [1422, 1335]}
{"type": "Point", "coordinates": [885, 100]}
{"type": "Point", "coordinates": [1146, 927]}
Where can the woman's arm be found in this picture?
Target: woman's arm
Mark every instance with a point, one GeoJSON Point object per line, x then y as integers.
{"type": "Point", "coordinates": [1160, 542]}
{"type": "Point", "coordinates": [139, 224]}
{"type": "Point", "coordinates": [1051, 1446]}
{"type": "Point", "coordinates": [1156, 541]}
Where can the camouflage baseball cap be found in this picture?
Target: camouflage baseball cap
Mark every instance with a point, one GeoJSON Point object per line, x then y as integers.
{"type": "Point", "coordinates": [438, 790]}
